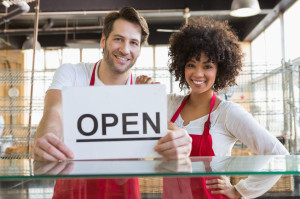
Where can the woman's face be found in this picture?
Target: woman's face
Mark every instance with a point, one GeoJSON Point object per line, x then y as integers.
{"type": "Point", "coordinates": [200, 73]}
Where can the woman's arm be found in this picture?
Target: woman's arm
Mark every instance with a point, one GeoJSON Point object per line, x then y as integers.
{"type": "Point", "coordinates": [244, 127]}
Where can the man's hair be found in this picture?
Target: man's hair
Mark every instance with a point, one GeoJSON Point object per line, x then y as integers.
{"type": "Point", "coordinates": [128, 14]}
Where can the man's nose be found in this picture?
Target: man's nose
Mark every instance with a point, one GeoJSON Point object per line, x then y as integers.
{"type": "Point", "coordinates": [124, 49]}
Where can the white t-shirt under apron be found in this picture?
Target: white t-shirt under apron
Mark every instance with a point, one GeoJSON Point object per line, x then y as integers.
{"type": "Point", "coordinates": [77, 75]}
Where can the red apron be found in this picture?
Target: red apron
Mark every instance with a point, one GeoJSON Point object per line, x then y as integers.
{"type": "Point", "coordinates": [193, 187]}
{"type": "Point", "coordinates": [122, 188]}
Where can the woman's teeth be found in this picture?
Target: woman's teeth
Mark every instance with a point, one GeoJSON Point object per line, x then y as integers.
{"type": "Point", "coordinates": [198, 82]}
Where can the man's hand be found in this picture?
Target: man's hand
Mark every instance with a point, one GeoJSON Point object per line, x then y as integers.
{"type": "Point", "coordinates": [177, 144]}
{"type": "Point", "coordinates": [53, 168]}
{"type": "Point", "coordinates": [49, 147]}
{"type": "Point", "coordinates": [182, 165]}
{"type": "Point", "coordinates": [143, 79]}
{"type": "Point", "coordinates": [222, 185]}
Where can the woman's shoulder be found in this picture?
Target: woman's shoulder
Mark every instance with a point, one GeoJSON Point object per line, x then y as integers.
{"type": "Point", "coordinates": [232, 109]}
{"type": "Point", "coordinates": [175, 98]}
{"type": "Point", "coordinates": [230, 105]}
{"type": "Point", "coordinates": [174, 101]}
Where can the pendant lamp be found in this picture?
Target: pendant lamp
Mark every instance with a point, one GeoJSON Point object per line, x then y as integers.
{"type": "Point", "coordinates": [244, 8]}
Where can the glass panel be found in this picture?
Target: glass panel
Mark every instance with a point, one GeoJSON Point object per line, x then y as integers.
{"type": "Point", "coordinates": [273, 45]}
{"type": "Point", "coordinates": [52, 59]}
{"type": "Point", "coordinates": [39, 60]}
{"type": "Point", "coordinates": [91, 55]}
{"type": "Point", "coordinates": [258, 49]}
{"type": "Point", "coordinates": [70, 55]}
{"type": "Point", "coordinates": [195, 166]}
{"type": "Point", "coordinates": [148, 188]}
{"type": "Point", "coordinates": [145, 60]}
{"type": "Point", "coordinates": [161, 56]}
{"type": "Point", "coordinates": [144, 63]}
{"type": "Point", "coordinates": [292, 31]}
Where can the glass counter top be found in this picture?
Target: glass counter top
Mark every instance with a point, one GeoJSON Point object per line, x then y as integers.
{"type": "Point", "coordinates": [194, 166]}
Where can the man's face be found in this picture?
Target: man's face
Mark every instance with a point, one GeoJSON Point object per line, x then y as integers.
{"type": "Point", "coordinates": [122, 47]}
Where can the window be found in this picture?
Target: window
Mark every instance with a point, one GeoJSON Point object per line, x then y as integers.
{"type": "Point", "coordinates": [70, 55]}
{"type": "Point", "coordinates": [292, 31]}
{"type": "Point", "coordinates": [91, 55]}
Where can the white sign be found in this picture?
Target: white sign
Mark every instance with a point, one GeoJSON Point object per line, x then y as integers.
{"type": "Point", "coordinates": [112, 122]}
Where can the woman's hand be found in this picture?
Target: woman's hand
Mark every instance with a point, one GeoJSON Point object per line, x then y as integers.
{"type": "Point", "coordinates": [143, 79]}
{"type": "Point", "coordinates": [222, 185]}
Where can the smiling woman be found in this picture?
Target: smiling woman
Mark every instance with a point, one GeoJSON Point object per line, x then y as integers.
{"type": "Point", "coordinates": [206, 57]}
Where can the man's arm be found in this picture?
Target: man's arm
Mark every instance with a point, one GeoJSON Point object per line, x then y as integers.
{"type": "Point", "coordinates": [48, 138]}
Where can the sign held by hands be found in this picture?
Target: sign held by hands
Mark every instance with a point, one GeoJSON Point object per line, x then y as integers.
{"type": "Point", "coordinates": [114, 122]}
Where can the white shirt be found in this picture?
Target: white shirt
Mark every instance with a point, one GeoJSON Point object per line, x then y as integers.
{"type": "Point", "coordinates": [231, 122]}
{"type": "Point", "coordinates": [77, 75]}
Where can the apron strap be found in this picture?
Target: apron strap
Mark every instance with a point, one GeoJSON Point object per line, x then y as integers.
{"type": "Point", "coordinates": [175, 116]}
{"type": "Point", "coordinates": [92, 82]}
{"type": "Point", "coordinates": [207, 123]}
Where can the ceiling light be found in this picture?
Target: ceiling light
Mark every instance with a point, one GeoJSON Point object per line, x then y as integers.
{"type": "Point", "coordinates": [6, 3]}
{"type": "Point", "coordinates": [244, 8]}
{"type": "Point", "coordinates": [28, 44]}
{"type": "Point", "coordinates": [23, 7]}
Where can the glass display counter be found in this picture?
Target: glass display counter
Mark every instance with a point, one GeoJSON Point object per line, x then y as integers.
{"type": "Point", "coordinates": [25, 178]}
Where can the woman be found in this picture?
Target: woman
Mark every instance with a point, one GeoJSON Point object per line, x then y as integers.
{"type": "Point", "coordinates": [206, 57]}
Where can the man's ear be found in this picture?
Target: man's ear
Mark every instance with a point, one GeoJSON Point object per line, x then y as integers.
{"type": "Point", "coordinates": [102, 41]}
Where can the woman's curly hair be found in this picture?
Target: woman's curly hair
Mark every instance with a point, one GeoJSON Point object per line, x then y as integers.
{"type": "Point", "coordinates": [219, 43]}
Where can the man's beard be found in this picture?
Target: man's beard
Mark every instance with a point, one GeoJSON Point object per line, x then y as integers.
{"type": "Point", "coordinates": [109, 60]}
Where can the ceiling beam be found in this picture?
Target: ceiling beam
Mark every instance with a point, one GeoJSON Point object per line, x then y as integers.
{"type": "Point", "coordinates": [270, 18]}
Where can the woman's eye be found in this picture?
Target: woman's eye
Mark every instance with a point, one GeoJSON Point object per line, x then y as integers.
{"type": "Point", "coordinates": [189, 65]}
{"type": "Point", "coordinates": [208, 66]}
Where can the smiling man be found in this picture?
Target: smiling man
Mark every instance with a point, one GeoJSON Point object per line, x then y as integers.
{"type": "Point", "coordinates": [120, 55]}
{"type": "Point", "coordinates": [123, 35]}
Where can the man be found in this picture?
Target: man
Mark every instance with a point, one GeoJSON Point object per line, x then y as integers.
{"type": "Point", "coordinates": [123, 34]}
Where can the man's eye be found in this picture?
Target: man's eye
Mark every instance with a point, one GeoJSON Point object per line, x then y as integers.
{"type": "Point", "coordinates": [135, 43]}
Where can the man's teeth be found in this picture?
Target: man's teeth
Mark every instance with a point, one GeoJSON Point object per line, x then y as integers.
{"type": "Point", "coordinates": [122, 58]}
{"type": "Point", "coordinates": [198, 82]}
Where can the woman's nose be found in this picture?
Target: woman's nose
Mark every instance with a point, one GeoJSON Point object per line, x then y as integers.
{"type": "Point", "coordinates": [199, 72]}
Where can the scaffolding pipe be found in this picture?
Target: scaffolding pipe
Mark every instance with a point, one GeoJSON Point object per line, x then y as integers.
{"type": "Point", "coordinates": [35, 35]}
{"type": "Point", "coordinates": [23, 7]}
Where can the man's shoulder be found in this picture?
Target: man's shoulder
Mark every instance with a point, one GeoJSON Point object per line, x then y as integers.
{"type": "Point", "coordinates": [81, 67]}
{"type": "Point", "coordinates": [77, 65]}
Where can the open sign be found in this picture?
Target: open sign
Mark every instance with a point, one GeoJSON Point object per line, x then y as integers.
{"type": "Point", "coordinates": [109, 122]}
